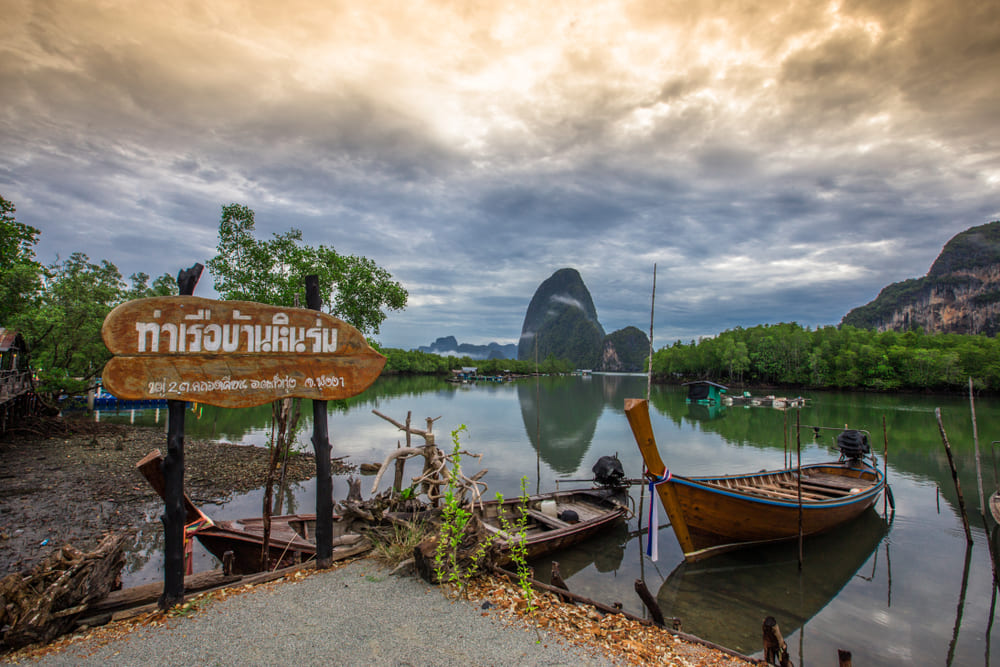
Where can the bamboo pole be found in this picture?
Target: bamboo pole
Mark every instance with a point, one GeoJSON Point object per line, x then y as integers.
{"type": "Point", "coordinates": [885, 468]}
{"type": "Point", "coordinates": [979, 466]}
{"type": "Point", "coordinates": [649, 371]}
{"type": "Point", "coordinates": [798, 482]}
{"type": "Point", "coordinates": [954, 476]}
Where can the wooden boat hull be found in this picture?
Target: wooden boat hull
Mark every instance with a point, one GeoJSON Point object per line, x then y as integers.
{"type": "Point", "coordinates": [291, 541]}
{"type": "Point", "coordinates": [597, 509]}
{"type": "Point", "coordinates": [711, 515]}
{"type": "Point", "coordinates": [726, 512]}
{"type": "Point", "coordinates": [994, 504]}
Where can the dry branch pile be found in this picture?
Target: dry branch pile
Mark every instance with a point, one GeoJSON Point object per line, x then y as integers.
{"type": "Point", "coordinates": [43, 603]}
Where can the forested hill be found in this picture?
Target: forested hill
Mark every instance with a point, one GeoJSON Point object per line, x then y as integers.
{"type": "Point", "coordinates": [960, 293]}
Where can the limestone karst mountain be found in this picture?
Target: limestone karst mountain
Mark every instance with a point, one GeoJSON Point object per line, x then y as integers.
{"type": "Point", "coordinates": [960, 293]}
{"type": "Point", "coordinates": [561, 321]}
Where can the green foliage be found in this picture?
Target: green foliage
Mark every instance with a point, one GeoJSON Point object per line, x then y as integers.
{"type": "Point", "coordinates": [455, 518]}
{"type": "Point", "coordinates": [632, 347]}
{"type": "Point", "coordinates": [64, 328]}
{"type": "Point", "coordinates": [976, 247]}
{"type": "Point", "coordinates": [841, 357]}
{"type": "Point", "coordinates": [273, 271]}
{"type": "Point", "coordinates": [415, 362]}
{"type": "Point", "coordinates": [517, 530]}
{"type": "Point", "coordinates": [60, 308]}
{"type": "Point", "coordinates": [20, 275]}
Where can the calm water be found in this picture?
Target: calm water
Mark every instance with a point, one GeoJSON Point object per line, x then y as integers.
{"type": "Point", "coordinates": [899, 589]}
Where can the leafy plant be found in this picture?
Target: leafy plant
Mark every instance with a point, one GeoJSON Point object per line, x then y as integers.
{"type": "Point", "coordinates": [517, 530]}
{"type": "Point", "coordinates": [455, 518]}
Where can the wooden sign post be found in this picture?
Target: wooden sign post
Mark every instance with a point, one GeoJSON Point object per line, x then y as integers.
{"type": "Point", "coordinates": [233, 354]}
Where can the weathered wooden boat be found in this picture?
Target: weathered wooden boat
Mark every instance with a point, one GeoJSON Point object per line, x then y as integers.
{"type": "Point", "coordinates": [553, 520]}
{"type": "Point", "coordinates": [711, 515]}
{"type": "Point", "coordinates": [291, 540]}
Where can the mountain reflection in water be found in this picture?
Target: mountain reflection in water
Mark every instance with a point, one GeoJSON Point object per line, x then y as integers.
{"type": "Point", "coordinates": [726, 598]}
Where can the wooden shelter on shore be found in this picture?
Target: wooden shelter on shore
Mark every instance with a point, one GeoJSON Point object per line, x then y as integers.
{"type": "Point", "coordinates": [17, 396]}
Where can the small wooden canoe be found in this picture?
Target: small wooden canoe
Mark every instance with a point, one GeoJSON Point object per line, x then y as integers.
{"type": "Point", "coordinates": [292, 541]}
{"type": "Point", "coordinates": [711, 515]}
{"type": "Point", "coordinates": [292, 538]}
{"type": "Point", "coordinates": [554, 520]}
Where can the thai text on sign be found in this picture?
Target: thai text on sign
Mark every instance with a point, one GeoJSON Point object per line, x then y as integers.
{"type": "Point", "coordinates": [199, 334]}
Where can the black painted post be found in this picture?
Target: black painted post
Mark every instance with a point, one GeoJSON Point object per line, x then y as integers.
{"type": "Point", "coordinates": [321, 447]}
{"type": "Point", "coordinates": [173, 477]}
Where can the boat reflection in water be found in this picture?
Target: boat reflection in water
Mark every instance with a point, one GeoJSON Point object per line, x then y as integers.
{"type": "Point", "coordinates": [726, 599]}
{"type": "Point", "coordinates": [603, 553]}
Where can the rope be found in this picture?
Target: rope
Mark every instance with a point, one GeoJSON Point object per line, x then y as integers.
{"type": "Point", "coordinates": [652, 544]}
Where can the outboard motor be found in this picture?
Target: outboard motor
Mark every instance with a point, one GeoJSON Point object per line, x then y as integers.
{"type": "Point", "coordinates": [853, 444]}
{"type": "Point", "coordinates": [608, 472]}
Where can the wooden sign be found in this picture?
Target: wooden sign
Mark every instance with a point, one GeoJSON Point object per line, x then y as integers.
{"type": "Point", "coordinates": [233, 353]}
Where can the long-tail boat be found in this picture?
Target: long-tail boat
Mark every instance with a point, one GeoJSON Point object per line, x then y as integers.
{"type": "Point", "coordinates": [711, 515]}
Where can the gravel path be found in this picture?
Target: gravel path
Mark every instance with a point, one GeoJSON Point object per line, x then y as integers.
{"type": "Point", "coordinates": [355, 615]}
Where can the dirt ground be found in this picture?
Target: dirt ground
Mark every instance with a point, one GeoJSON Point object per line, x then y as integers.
{"type": "Point", "coordinates": [70, 482]}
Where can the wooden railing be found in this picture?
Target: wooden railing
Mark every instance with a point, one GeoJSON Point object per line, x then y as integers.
{"type": "Point", "coordinates": [13, 383]}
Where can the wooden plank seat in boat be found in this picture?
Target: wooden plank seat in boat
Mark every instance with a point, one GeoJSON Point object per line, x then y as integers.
{"type": "Point", "coordinates": [545, 519]}
{"type": "Point", "coordinates": [770, 488]}
{"type": "Point", "coordinates": [815, 491]}
{"type": "Point", "coordinates": [837, 481]}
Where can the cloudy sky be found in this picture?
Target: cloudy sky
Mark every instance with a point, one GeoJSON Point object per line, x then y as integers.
{"type": "Point", "coordinates": [776, 161]}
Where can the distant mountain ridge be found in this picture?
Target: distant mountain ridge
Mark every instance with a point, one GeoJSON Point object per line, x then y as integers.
{"type": "Point", "coordinates": [449, 346]}
{"type": "Point", "coordinates": [959, 294]}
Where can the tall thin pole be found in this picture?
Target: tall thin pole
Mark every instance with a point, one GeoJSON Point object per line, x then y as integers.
{"type": "Point", "coordinates": [885, 469]}
{"type": "Point", "coordinates": [979, 465]}
{"type": "Point", "coordinates": [538, 424]}
{"type": "Point", "coordinates": [954, 476]}
{"type": "Point", "coordinates": [652, 308]}
{"type": "Point", "coordinates": [321, 448]}
{"type": "Point", "coordinates": [798, 477]}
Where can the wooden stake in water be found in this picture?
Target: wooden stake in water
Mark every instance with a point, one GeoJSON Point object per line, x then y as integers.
{"type": "Point", "coordinates": [885, 468]}
{"type": "Point", "coordinates": [954, 476]}
{"type": "Point", "coordinates": [979, 465]}
{"type": "Point", "coordinates": [798, 479]}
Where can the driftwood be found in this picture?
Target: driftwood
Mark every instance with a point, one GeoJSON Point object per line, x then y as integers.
{"type": "Point", "coordinates": [435, 474]}
{"type": "Point", "coordinates": [775, 648]}
{"type": "Point", "coordinates": [44, 603]}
